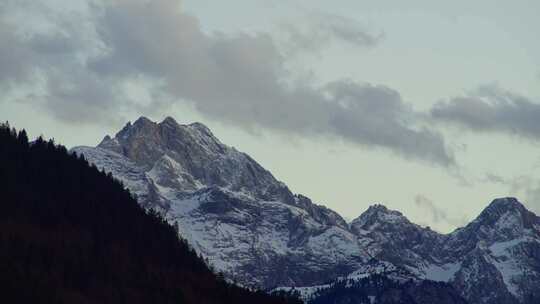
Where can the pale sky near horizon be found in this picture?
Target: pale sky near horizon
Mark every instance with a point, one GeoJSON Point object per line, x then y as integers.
{"type": "Point", "coordinates": [429, 107]}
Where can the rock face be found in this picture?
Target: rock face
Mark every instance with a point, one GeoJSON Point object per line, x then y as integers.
{"type": "Point", "coordinates": [252, 228]}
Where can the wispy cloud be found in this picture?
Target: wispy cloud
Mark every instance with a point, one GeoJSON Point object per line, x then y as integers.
{"type": "Point", "coordinates": [319, 30]}
{"type": "Point", "coordinates": [492, 109]}
{"type": "Point", "coordinates": [528, 188]}
{"type": "Point", "coordinates": [439, 216]}
{"type": "Point", "coordinates": [494, 178]}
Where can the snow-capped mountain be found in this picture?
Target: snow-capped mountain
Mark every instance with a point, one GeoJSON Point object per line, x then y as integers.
{"type": "Point", "coordinates": [257, 232]}
{"type": "Point", "coordinates": [231, 210]}
{"type": "Point", "coordinates": [494, 259]}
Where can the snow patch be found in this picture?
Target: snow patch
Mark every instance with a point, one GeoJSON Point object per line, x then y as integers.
{"type": "Point", "coordinates": [442, 273]}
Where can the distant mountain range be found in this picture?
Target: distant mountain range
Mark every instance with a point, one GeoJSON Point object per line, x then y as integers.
{"type": "Point", "coordinates": [252, 228]}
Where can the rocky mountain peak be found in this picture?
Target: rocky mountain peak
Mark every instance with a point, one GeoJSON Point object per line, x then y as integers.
{"type": "Point", "coordinates": [499, 206]}
{"type": "Point", "coordinates": [188, 157]}
{"type": "Point", "coordinates": [503, 220]}
{"type": "Point", "coordinates": [141, 127]}
{"type": "Point", "coordinates": [378, 215]}
{"type": "Point", "coordinates": [505, 215]}
{"type": "Point", "coordinates": [381, 210]}
{"type": "Point", "coordinates": [169, 120]}
{"type": "Point", "coordinates": [143, 121]}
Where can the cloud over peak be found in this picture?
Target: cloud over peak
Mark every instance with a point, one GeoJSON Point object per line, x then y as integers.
{"type": "Point", "coordinates": [239, 79]}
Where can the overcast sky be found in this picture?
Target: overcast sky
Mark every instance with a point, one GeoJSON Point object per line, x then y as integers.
{"type": "Point", "coordinates": [429, 107]}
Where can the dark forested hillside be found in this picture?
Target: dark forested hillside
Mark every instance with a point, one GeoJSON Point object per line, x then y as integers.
{"type": "Point", "coordinates": [72, 234]}
{"type": "Point", "coordinates": [382, 290]}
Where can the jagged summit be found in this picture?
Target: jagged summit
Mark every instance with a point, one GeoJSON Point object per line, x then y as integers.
{"type": "Point", "coordinates": [145, 126]}
{"type": "Point", "coordinates": [167, 129]}
{"type": "Point", "coordinates": [381, 210]}
{"type": "Point", "coordinates": [377, 207]}
{"type": "Point", "coordinates": [169, 120]}
{"type": "Point", "coordinates": [143, 121]}
{"type": "Point", "coordinates": [504, 207]}
{"type": "Point", "coordinates": [378, 215]}
{"type": "Point", "coordinates": [509, 200]}
{"type": "Point", "coordinates": [501, 205]}
{"type": "Point", "coordinates": [191, 158]}
{"type": "Point", "coordinates": [504, 220]}
{"type": "Point", "coordinates": [506, 213]}
{"type": "Point", "coordinates": [199, 126]}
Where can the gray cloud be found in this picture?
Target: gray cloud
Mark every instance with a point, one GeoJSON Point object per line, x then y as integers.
{"type": "Point", "coordinates": [239, 79]}
{"type": "Point", "coordinates": [320, 29]}
{"type": "Point", "coordinates": [494, 178]}
{"type": "Point", "coordinates": [53, 61]}
{"type": "Point", "coordinates": [526, 187]}
{"type": "Point", "coordinates": [492, 109]}
{"type": "Point", "coordinates": [438, 215]}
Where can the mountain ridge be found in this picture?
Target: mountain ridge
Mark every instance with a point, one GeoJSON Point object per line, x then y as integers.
{"type": "Point", "coordinates": [254, 229]}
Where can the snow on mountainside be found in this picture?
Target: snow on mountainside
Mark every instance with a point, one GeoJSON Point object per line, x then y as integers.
{"type": "Point", "coordinates": [234, 212]}
{"type": "Point", "coordinates": [254, 229]}
{"type": "Point", "coordinates": [367, 270]}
